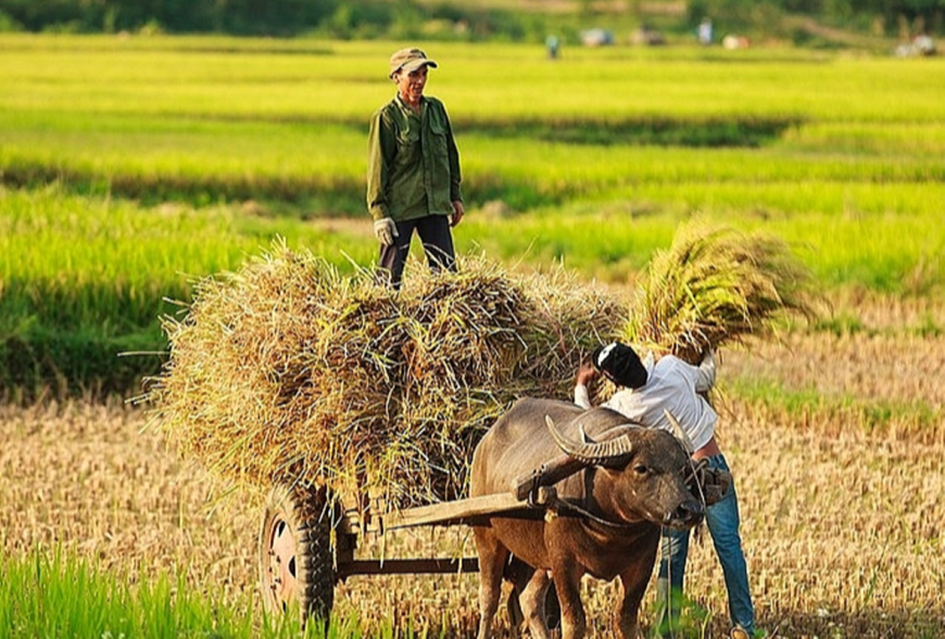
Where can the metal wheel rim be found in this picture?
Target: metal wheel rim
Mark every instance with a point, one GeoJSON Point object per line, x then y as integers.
{"type": "Point", "coordinates": [281, 577]}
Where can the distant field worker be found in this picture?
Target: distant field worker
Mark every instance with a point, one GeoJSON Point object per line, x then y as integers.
{"type": "Point", "coordinates": [413, 180]}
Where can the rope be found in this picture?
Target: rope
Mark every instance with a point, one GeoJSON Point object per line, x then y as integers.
{"type": "Point", "coordinates": [586, 514]}
{"type": "Point", "coordinates": [696, 474]}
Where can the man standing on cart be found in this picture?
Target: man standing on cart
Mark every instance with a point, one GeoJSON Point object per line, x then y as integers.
{"type": "Point", "coordinates": [413, 180]}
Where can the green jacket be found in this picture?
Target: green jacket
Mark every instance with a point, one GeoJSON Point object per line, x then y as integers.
{"type": "Point", "coordinates": [413, 164]}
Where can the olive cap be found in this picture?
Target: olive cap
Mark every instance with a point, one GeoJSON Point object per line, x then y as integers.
{"type": "Point", "coordinates": [409, 59]}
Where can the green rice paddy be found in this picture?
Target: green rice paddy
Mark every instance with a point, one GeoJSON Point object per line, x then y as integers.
{"type": "Point", "coordinates": [133, 165]}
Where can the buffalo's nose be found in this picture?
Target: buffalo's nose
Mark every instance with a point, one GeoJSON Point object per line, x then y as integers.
{"type": "Point", "coordinates": [687, 514]}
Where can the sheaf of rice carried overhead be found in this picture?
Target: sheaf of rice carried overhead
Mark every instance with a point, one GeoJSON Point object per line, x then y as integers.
{"type": "Point", "coordinates": [715, 286]}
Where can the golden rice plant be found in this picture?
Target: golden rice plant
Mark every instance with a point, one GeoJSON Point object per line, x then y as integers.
{"type": "Point", "coordinates": [715, 286]}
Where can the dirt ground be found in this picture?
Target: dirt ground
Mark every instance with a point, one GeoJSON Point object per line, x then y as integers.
{"type": "Point", "coordinates": [841, 523]}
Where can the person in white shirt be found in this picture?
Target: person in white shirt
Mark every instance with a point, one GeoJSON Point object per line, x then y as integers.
{"type": "Point", "coordinates": [646, 389]}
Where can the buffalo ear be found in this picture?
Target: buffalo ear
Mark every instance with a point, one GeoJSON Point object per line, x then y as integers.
{"type": "Point", "coordinates": [583, 434]}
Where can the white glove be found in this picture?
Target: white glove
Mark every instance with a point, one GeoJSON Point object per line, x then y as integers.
{"type": "Point", "coordinates": [706, 377]}
{"type": "Point", "coordinates": [385, 230]}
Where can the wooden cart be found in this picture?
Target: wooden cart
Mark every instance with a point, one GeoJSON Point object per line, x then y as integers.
{"type": "Point", "coordinates": [307, 544]}
{"type": "Point", "coordinates": [299, 565]}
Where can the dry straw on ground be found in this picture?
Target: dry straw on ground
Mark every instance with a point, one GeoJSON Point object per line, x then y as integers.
{"type": "Point", "coordinates": [289, 372]}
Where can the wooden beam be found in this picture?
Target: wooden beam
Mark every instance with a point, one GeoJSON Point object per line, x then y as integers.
{"type": "Point", "coordinates": [408, 566]}
{"type": "Point", "coordinates": [473, 511]}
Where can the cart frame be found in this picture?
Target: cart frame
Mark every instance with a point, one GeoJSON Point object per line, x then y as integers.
{"type": "Point", "coordinates": [307, 543]}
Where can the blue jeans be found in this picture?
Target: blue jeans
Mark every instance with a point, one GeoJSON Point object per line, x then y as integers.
{"type": "Point", "coordinates": [722, 520]}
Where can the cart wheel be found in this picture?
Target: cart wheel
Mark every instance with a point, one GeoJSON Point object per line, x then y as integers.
{"type": "Point", "coordinates": [295, 555]}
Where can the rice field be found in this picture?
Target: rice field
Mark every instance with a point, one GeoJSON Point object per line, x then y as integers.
{"type": "Point", "coordinates": [132, 167]}
{"type": "Point", "coordinates": [213, 118]}
{"type": "Point", "coordinates": [841, 517]}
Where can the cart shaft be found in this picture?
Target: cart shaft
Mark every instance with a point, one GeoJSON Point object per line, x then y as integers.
{"type": "Point", "coordinates": [407, 566]}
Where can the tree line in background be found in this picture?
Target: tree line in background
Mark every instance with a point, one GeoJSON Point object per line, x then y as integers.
{"type": "Point", "coordinates": [431, 20]}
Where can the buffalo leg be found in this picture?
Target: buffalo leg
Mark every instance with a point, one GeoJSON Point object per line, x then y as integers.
{"type": "Point", "coordinates": [492, 558]}
{"type": "Point", "coordinates": [532, 599]}
{"type": "Point", "coordinates": [633, 583]}
{"type": "Point", "coordinates": [518, 573]}
{"type": "Point", "coordinates": [567, 580]}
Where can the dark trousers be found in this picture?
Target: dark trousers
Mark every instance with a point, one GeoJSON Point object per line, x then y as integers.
{"type": "Point", "coordinates": [434, 232]}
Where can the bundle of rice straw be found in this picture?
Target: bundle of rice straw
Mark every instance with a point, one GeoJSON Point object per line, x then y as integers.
{"type": "Point", "coordinates": [288, 372]}
{"type": "Point", "coordinates": [715, 286]}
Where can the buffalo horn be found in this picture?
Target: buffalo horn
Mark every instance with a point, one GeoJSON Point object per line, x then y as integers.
{"type": "Point", "coordinates": [680, 433]}
{"type": "Point", "coordinates": [607, 453]}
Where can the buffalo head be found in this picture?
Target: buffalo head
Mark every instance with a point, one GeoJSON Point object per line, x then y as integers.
{"type": "Point", "coordinates": [639, 484]}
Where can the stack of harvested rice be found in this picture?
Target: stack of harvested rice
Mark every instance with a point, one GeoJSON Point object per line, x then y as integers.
{"type": "Point", "coordinates": [715, 286]}
{"type": "Point", "coordinates": [288, 372]}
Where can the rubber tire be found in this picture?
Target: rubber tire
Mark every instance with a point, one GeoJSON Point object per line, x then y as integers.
{"type": "Point", "coordinates": [298, 524]}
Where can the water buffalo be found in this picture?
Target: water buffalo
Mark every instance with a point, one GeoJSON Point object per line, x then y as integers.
{"type": "Point", "coordinates": [628, 482]}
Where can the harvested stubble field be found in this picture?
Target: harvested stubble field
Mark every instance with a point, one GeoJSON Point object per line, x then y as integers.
{"type": "Point", "coordinates": [841, 517]}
